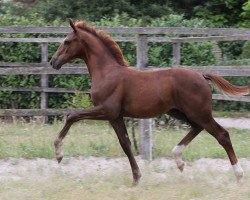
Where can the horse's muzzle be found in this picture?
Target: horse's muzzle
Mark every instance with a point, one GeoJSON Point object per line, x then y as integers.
{"type": "Point", "coordinates": [56, 63]}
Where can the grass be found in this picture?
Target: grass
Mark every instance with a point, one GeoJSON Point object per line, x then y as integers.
{"type": "Point", "coordinates": [231, 114]}
{"type": "Point", "coordinates": [98, 139]}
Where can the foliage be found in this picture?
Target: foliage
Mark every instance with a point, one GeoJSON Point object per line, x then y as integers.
{"type": "Point", "coordinates": [95, 10]}
{"type": "Point", "coordinates": [231, 50]}
{"type": "Point", "coordinates": [194, 56]}
{"type": "Point", "coordinates": [221, 12]}
{"type": "Point", "coordinates": [245, 15]}
{"type": "Point", "coordinates": [8, 7]}
{"type": "Point", "coordinates": [160, 54]}
{"type": "Point", "coordinates": [81, 100]}
{"type": "Point", "coordinates": [246, 50]}
{"type": "Point", "coordinates": [16, 99]}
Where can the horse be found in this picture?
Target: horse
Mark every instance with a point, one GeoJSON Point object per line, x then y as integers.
{"type": "Point", "coordinates": [119, 91]}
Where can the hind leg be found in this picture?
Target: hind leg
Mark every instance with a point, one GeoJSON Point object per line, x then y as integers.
{"type": "Point", "coordinates": [222, 136]}
{"type": "Point", "coordinates": [177, 150]}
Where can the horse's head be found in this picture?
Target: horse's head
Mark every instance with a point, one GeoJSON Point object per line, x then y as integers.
{"type": "Point", "coordinates": [68, 50]}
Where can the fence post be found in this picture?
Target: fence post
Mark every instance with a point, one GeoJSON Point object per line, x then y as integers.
{"type": "Point", "coordinates": [176, 54]}
{"type": "Point", "coordinates": [44, 80]}
{"type": "Point", "coordinates": [144, 124]}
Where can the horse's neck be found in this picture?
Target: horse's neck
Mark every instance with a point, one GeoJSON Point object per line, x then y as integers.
{"type": "Point", "coordinates": [97, 57]}
{"type": "Point", "coordinates": [99, 65]}
{"type": "Point", "coordinates": [100, 72]}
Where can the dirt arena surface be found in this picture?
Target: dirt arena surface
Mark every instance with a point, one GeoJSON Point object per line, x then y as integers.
{"type": "Point", "coordinates": [110, 178]}
{"type": "Point", "coordinates": [15, 169]}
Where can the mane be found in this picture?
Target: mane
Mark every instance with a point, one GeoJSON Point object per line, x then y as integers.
{"type": "Point", "coordinates": [108, 41]}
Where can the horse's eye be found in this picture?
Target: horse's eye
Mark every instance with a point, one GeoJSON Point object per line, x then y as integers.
{"type": "Point", "coordinates": [67, 42]}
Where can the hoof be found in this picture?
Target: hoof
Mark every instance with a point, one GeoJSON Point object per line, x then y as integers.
{"type": "Point", "coordinates": [59, 159]}
{"type": "Point", "coordinates": [181, 166]}
{"type": "Point", "coordinates": [136, 180]}
{"type": "Point", "coordinates": [135, 183]}
{"type": "Point", "coordinates": [177, 153]}
{"type": "Point", "coordinates": [239, 177]}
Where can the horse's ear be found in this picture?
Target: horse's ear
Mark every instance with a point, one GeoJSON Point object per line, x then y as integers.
{"type": "Point", "coordinates": [72, 24]}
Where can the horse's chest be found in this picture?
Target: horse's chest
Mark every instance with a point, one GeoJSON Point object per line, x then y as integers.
{"type": "Point", "coordinates": [99, 95]}
{"type": "Point", "coordinates": [96, 96]}
{"type": "Point", "coordinates": [104, 90]}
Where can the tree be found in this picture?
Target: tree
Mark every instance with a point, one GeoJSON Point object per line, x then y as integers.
{"type": "Point", "coordinates": [95, 10]}
{"type": "Point", "coordinates": [220, 12]}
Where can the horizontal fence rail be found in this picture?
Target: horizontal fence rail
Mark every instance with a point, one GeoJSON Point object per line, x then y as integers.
{"type": "Point", "coordinates": [134, 30]}
{"type": "Point", "coordinates": [133, 39]}
{"type": "Point", "coordinates": [7, 68]}
{"type": "Point", "coordinates": [42, 89]}
{"type": "Point", "coordinates": [35, 112]}
{"type": "Point", "coordinates": [42, 70]}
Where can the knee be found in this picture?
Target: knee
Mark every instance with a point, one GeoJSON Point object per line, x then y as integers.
{"type": "Point", "coordinates": [71, 118]}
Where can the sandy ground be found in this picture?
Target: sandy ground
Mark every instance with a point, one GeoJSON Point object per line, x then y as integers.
{"type": "Point", "coordinates": [15, 169]}
{"type": "Point", "coordinates": [243, 123]}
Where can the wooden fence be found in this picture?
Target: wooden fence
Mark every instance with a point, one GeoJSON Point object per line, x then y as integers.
{"type": "Point", "coordinates": [141, 36]}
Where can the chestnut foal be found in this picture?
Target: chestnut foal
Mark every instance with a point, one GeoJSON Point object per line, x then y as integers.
{"type": "Point", "coordinates": [119, 91]}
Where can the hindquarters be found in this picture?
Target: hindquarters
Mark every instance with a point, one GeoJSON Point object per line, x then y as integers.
{"type": "Point", "coordinates": [192, 94]}
{"type": "Point", "coordinates": [193, 99]}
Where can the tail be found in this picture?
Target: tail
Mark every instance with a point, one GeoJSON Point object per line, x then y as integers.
{"type": "Point", "coordinates": [225, 87]}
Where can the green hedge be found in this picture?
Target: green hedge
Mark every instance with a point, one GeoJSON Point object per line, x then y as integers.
{"type": "Point", "coordinates": [160, 54]}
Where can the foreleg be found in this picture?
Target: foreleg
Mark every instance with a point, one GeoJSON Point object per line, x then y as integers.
{"type": "Point", "coordinates": [93, 113]}
{"type": "Point", "coordinates": [121, 131]}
